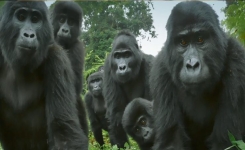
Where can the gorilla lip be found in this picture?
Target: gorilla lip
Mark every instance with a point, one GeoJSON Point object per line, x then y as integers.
{"type": "Point", "coordinates": [25, 48]}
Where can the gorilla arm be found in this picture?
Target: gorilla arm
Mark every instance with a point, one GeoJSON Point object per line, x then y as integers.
{"type": "Point", "coordinates": [166, 116]}
{"type": "Point", "coordinates": [230, 112]}
{"type": "Point", "coordinates": [95, 124]}
{"type": "Point", "coordinates": [61, 112]}
{"type": "Point", "coordinates": [76, 55]}
{"type": "Point", "coordinates": [116, 104]}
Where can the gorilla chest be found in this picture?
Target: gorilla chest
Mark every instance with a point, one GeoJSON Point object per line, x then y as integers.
{"type": "Point", "coordinates": [134, 89]}
{"type": "Point", "coordinates": [20, 91]}
{"type": "Point", "coordinates": [99, 107]}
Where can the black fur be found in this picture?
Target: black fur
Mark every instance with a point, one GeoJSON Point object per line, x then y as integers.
{"type": "Point", "coordinates": [37, 95]}
{"type": "Point", "coordinates": [73, 47]}
{"type": "Point", "coordinates": [119, 92]}
{"type": "Point", "coordinates": [198, 116]}
{"type": "Point", "coordinates": [144, 135]}
{"type": "Point", "coordinates": [96, 108]}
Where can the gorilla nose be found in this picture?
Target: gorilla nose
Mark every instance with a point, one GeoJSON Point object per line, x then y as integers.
{"type": "Point", "coordinates": [122, 67]}
{"type": "Point", "coordinates": [192, 64]}
{"type": "Point", "coordinates": [65, 30]}
{"type": "Point", "coordinates": [30, 35]}
{"type": "Point", "coordinates": [146, 133]}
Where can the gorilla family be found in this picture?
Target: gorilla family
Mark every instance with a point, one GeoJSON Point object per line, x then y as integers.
{"type": "Point", "coordinates": [138, 122]}
{"type": "Point", "coordinates": [37, 94]}
{"type": "Point", "coordinates": [96, 106]}
{"type": "Point", "coordinates": [198, 82]}
{"type": "Point", "coordinates": [66, 19]}
{"type": "Point", "coordinates": [126, 76]}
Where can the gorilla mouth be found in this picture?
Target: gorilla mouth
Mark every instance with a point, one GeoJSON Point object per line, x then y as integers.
{"type": "Point", "coordinates": [26, 48]}
{"type": "Point", "coordinates": [97, 91]}
{"type": "Point", "coordinates": [64, 36]}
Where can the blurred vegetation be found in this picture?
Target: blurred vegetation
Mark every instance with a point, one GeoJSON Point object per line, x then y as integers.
{"type": "Point", "coordinates": [93, 145]}
{"type": "Point", "coordinates": [234, 22]}
{"type": "Point", "coordinates": [238, 144]}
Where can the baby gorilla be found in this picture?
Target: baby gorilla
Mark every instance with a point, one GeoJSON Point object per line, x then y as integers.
{"type": "Point", "coordinates": [137, 121]}
{"type": "Point", "coordinates": [96, 106]}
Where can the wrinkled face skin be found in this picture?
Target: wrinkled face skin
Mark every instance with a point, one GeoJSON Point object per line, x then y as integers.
{"type": "Point", "coordinates": [191, 45]}
{"type": "Point", "coordinates": [66, 25]}
{"type": "Point", "coordinates": [26, 34]}
{"type": "Point", "coordinates": [195, 50]}
{"type": "Point", "coordinates": [95, 86]}
{"type": "Point", "coordinates": [126, 59]}
{"type": "Point", "coordinates": [197, 60]}
{"type": "Point", "coordinates": [143, 129]}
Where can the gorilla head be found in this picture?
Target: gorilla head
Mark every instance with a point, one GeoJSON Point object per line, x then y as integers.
{"type": "Point", "coordinates": [138, 122]}
{"type": "Point", "coordinates": [24, 40]}
{"type": "Point", "coordinates": [125, 58]}
{"type": "Point", "coordinates": [95, 83]}
{"type": "Point", "coordinates": [67, 21]}
{"type": "Point", "coordinates": [198, 56]}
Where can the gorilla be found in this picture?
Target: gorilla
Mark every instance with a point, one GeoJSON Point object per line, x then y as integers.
{"type": "Point", "coordinates": [96, 107]}
{"type": "Point", "coordinates": [126, 76]}
{"type": "Point", "coordinates": [138, 121]}
{"type": "Point", "coordinates": [198, 82]}
{"type": "Point", "coordinates": [66, 19]}
{"type": "Point", "coordinates": [101, 68]}
{"type": "Point", "coordinates": [37, 94]}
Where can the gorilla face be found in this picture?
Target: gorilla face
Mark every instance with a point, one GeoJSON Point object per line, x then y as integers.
{"type": "Point", "coordinates": [195, 57]}
{"type": "Point", "coordinates": [143, 129]}
{"type": "Point", "coordinates": [95, 83]}
{"type": "Point", "coordinates": [26, 34]}
{"type": "Point", "coordinates": [66, 25]}
{"type": "Point", "coordinates": [191, 45]}
{"type": "Point", "coordinates": [66, 19]}
{"type": "Point", "coordinates": [95, 86]}
{"type": "Point", "coordinates": [125, 59]}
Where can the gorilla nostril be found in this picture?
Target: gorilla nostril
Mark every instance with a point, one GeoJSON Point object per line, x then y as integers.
{"type": "Point", "coordinates": [122, 67]}
{"type": "Point", "coordinates": [32, 35]}
{"type": "Point", "coordinates": [146, 133]}
{"type": "Point", "coordinates": [64, 30]}
{"type": "Point", "coordinates": [192, 63]}
{"type": "Point", "coordinates": [26, 35]}
{"type": "Point", "coordinates": [196, 65]}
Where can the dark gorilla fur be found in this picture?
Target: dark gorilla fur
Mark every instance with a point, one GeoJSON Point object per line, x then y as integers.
{"type": "Point", "coordinates": [120, 90]}
{"type": "Point", "coordinates": [196, 114]}
{"type": "Point", "coordinates": [73, 46]}
{"type": "Point", "coordinates": [37, 95]}
{"type": "Point", "coordinates": [135, 111]}
{"type": "Point", "coordinates": [96, 107]}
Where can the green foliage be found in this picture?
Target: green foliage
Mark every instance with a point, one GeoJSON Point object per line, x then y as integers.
{"type": "Point", "coordinates": [93, 145]}
{"type": "Point", "coordinates": [1, 5]}
{"type": "Point", "coordinates": [88, 71]}
{"type": "Point", "coordinates": [239, 144]}
{"type": "Point", "coordinates": [235, 20]}
{"type": "Point", "coordinates": [103, 19]}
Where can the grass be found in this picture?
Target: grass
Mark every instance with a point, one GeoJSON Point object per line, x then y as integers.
{"type": "Point", "coordinates": [93, 145]}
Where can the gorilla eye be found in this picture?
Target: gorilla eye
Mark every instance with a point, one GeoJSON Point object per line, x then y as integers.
{"type": "Point", "coordinates": [62, 20]}
{"type": "Point", "coordinates": [183, 42]}
{"type": "Point", "coordinates": [70, 22]}
{"type": "Point", "coordinates": [200, 39]}
{"type": "Point", "coordinates": [96, 80]}
{"type": "Point", "coordinates": [34, 19]}
{"type": "Point", "coordinates": [21, 17]}
{"type": "Point", "coordinates": [117, 56]}
{"type": "Point", "coordinates": [143, 122]}
{"type": "Point", "coordinates": [127, 54]}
